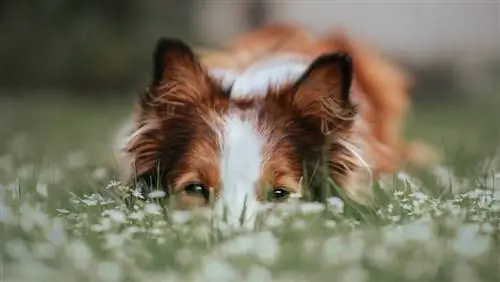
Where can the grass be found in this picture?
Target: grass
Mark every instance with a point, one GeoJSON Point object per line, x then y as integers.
{"type": "Point", "coordinates": [60, 217]}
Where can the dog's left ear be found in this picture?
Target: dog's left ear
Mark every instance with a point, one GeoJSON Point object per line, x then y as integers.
{"type": "Point", "coordinates": [178, 76]}
{"type": "Point", "coordinates": [174, 59]}
{"type": "Point", "coordinates": [323, 91]}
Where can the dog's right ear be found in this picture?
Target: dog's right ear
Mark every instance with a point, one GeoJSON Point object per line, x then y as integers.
{"type": "Point", "coordinates": [178, 76]}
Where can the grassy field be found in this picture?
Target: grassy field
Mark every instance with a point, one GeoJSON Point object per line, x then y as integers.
{"type": "Point", "coordinates": [61, 217]}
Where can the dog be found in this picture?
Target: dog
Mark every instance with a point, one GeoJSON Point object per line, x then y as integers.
{"type": "Point", "coordinates": [246, 124]}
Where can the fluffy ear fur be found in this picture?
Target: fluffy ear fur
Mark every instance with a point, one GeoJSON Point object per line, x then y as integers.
{"type": "Point", "coordinates": [178, 76]}
{"type": "Point", "coordinates": [322, 96]}
{"type": "Point", "coordinates": [169, 113]}
{"type": "Point", "coordinates": [322, 92]}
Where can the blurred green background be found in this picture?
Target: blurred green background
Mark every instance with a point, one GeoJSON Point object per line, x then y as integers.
{"type": "Point", "coordinates": [71, 69]}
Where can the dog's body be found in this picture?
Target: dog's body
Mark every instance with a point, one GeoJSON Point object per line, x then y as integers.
{"type": "Point", "coordinates": [254, 116]}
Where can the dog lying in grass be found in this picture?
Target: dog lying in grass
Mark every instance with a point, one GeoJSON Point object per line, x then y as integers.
{"type": "Point", "coordinates": [264, 119]}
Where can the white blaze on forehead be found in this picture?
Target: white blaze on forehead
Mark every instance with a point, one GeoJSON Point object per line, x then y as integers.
{"type": "Point", "coordinates": [256, 80]}
{"type": "Point", "coordinates": [241, 144]}
{"type": "Point", "coordinates": [240, 168]}
{"type": "Point", "coordinates": [225, 76]}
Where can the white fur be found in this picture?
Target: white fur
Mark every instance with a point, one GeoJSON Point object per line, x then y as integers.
{"type": "Point", "coordinates": [240, 165]}
{"type": "Point", "coordinates": [256, 80]}
{"type": "Point", "coordinates": [225, 76]}
{"type": "Point", "coordinates": [122, 159]}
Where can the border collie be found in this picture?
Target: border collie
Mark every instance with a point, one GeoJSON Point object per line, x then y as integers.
{"type": "Point", "coordinates": [250, 123]}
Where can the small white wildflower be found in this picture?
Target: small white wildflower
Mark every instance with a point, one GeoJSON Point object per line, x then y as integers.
{"type": "Point", "coordinates": [89, 202]}
{"type": "Point", "coordinates": [156, 194]}
{"type": "Point", "coordinates": [156, 231]}
{"type": "Point", "coordinates": [484, 197]}
{"type": "Point", "coordinates": [238, 246]}
{"type": "Point", "coordinates": [265, 207]}
{"type": "Point", "coordinates": [398, 193]}
{"type": "Point", "coordinates": [41, 189]}
{"type": "Point", "coordinates": [137, 215]}
{"type": "Point", "coordinates": [63, 211]}
{"type": "Point", "coordinates": [469, 243]}
{"type": "Point", "coordinates": [26, 220]}
{"type": "Point", "coordinates": [201, 231]}
{"type": "Point", "coordinates": [420, 197]}
{"type": "Point", "coordinates": [133, 230]}
{"type": "Point", "coordinates": [137, 193]}
{"type": "Point", "coordinates": [219, 271]}
{"type": "Point", "coordinates": [113, 184]}
{"type": "Point", "coordinates": [418, 231]}
{"type": "Point", "coordinates": [336, 204]}
{"type": "Point", "coordinates": [496, 195]}
{"type": "Point", "coordinates": [152, 209]}
{"type": "Point", "coordinates": [393, 236]}
{"type": "Point", "coordinates": [330, 223]}
{"type": "Point", "coordinates": [80, 254]}
{"type": "Point", "coordinates": [487, 228]}
{"type": "Point", "coordinates": [267, 247]}
{"type": "Point", "coordinates": [299, 224]}
{"type": "Point", "coordinates": [395, 218]}
{"type": "Point", "coordinates": [382, 257]}
{"type": "Point", "coordinates": [355, 247]}
{"type": "Point", "coordinates": [445, 177]}
{"type": "Point", "coordinates": [5, 213]}
{"type": "Point", "coordinates": [390, 208]}
{"type": "Point", "coordinates": [103, 225]}
{"type": "Point", "coordinates": [57, 234]}
{"type": "Point", "coordinates": [109, 271]}
{"type": "Point", "coordinates": [452, 208]}
{"type": "Point", "coordinates": [96, 199]}
{"type": "Point", "coordinates": [181, 217]}
{"type": "Point", "coordinates": [495, 207]}
{"type": "Point", "coordinates": [288, 207]}
{"type": "Point", "coordinates": [114, 241]}
{"type": "Point", "coordinates": [333, 249]}
{"type": "Point", "coordinates": [117, 216]}
{"type": "Point", "coordinates": [407, 179]}
{"type": "Point", "coordinates": [161, 240]}
{"type": "Point", "coordinates": [273, 221]}
{"type": "Point", "coordinates": [407, 207]}
{"type": "Point", "coordinates": [309, 208]}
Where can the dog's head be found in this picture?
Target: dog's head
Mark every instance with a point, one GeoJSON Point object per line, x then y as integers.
{"type": "Point", "coordinates": [195, 134]}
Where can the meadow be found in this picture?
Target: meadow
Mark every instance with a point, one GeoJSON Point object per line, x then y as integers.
{"type": "Point", "coordinates": [62, 215]}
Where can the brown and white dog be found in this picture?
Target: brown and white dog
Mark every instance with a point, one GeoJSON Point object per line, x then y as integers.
{"type": "Point", "coordinates": [248, 121]}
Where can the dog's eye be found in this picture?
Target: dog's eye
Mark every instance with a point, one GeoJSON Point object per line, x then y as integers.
{"type": "Point", "coordinates": [278, 194]}
{"type": "Point", "coordinates": [197, 189]}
